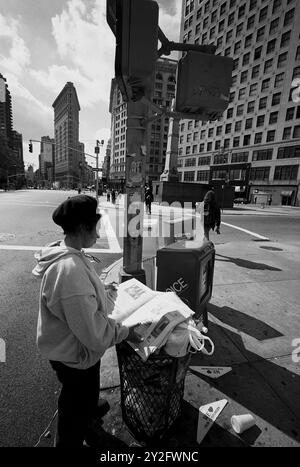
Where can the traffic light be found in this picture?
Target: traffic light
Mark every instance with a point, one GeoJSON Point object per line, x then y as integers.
{"type": "Point", "coordinates": [30, 147]}
{"type": "Point", "coordinates": [203, 84]}
{"type": "Point", "coordinates": [136, 46]}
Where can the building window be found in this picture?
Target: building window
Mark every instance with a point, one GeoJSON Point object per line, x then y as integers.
{"type": "Point", "coordinates": [236, 141]}
{"type": "Point", "coordinates": [241, 11]}
{"type": "Point", "coordinates": [296, 132]}
{"type": "Point", "coordinates": [219, 130]}
{"type": "Point", "coordinates": [268, 65]}
{"type": "Point", "coordinates": [257, 53]}
{"type": "Point", "coordinates": [206, 7]}
{"type": "Point", "coordinates": [230, 112]}
{"type": "Point", "coordinates": [221, 158]}
{"type": "Point", "coordinates": [242, 93]}
{"type": "Point", "coordinates": [250, 107]}
{"type": "Point", "coordinates": [265, 85]}
{"type": "Point", "coordinates": [221, 26]}
{"type": "Point", "coordinates": [220, 41]}
{"type": "Point", "coordinates": [285, 39]}
{"type": "Point", "coordinates": [247, 139]}
{"type": "Point", "coordinates": [287, 133]}
{"type": "Point", "coordinates": [229, 35]}
{"type": "Point", "coordinates": [273, 118]}
{"type": "Point", "coordinates": [217, 144]}
{"type": "Point", "coordinates": [258, 138]}
{"type": "Point", "coordinates": [240, 110]}
{"type": "Point", "coordinates": [223, 8]}
{"type": "Point", "coordinates": [209, 146]}
{"type": "Point", "coordinates": [244, 76]}
{"type": "Point", "coordinates": [238, 126]}
{"type": "Point", "coordinates": [203, 175]}
{"type": "Point", "coordinates": [260, 120]}
{"type": "Point", "coordinates": [226, 143]}
{"type": "Point", "coordinates": [271, 136]}
{"type": "Point", "coordinates": [246, 58]}
{"type": "Point", "coordinates": [239, 157]}
{"type": "Point", "coordinates": [255, 71]}
{"type": "Point", "coordinates": [252, 5]}
{"type": "Point", "coordinates": [248, 40]}
{"type": "Point", "coordinates": [227, 51]}
{"type": "Point", "coordinates": [274, 26]}
{"type": "Point", "coordinates": [188, 176]}
{"type": "Point", "coordinates": [276, 6]}
{"type": "Point", "coordinates": [286, 172]}
{"type": "Point", "coordinates": [228, 128]}
{"type": "Point", "coordinates": [201, 147]}
{"type": "Point", "coordinates": [253, 89]}
{"type": "Point", "coordinates": [214, 16]}
{"type": "Point", "coordinates": [260, 173]}
{"type": "Point", "coordinates": [250, 22]}
{"type": "Point", "coordinates": [271, 46]}
{"type": "Point", "coordinates": [210, 132]}
{"type": "Point", "coordinates": [190, 162]}
{"type": "Point", "coordinates": [288, 152]}
{"type": "Point", "coordinates": [260, 34]}
{"type": "Point", "coordinates": [204, 160]}
{"type": "Point", "coordinates": [289, 16]}
{"type": "Point", "coordinates": [290, 114]}
{"type": "Point", "coordinates": [248, 123]}
{"type": "Point", "coordinates": [263, 14]}
{"type": "Point", "coordinates": [282, 59]}
{"type": "Point", "coordinates": [296, 72]}
{"type": "Point", "coordinates": [262, 155]}
{"type": "Point", "coordinates": [239, 29]}
{"type": "Point", "coordinates": [279, 80]}
{"type": "Point", "coordinates": [263, 103]}
{"type": "Point", "coordinates": [237, 46]}
{"type": "Point", "coordinates": [276, 98]}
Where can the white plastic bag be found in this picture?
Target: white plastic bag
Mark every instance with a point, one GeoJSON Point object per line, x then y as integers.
{"type": "Point", "coordinates": [186, 337]}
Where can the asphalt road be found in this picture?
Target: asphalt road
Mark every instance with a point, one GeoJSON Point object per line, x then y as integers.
{"type": "Point", "coordinates": [28, 388]}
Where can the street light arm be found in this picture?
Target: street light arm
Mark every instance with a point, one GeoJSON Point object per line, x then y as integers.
{"type": "Point", "coordinates": [57, 144]}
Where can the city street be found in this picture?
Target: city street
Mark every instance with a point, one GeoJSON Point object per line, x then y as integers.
{"type": "Point", "coordinates": [29, 388]}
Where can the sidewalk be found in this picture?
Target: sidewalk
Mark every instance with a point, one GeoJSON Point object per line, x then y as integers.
{"type": "Point", "coordinates": [253, 319]}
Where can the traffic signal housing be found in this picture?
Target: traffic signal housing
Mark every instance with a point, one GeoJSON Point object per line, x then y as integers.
{"type": "Point", "coordinates": [136, 47]}
{"type": "Point", "coordinates": [203, 84]}
{"type": "Point", "coordinates": [30, 147]}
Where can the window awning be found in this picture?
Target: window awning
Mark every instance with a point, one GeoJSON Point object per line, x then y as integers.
{"type": "Point", "coordinates": [287, 193]}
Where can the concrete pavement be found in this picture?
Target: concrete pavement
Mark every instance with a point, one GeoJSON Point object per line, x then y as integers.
{"type": "Point", "coordinates": [254, 323]}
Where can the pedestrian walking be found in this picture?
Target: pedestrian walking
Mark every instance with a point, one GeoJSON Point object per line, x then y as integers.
{"type": "Point", "coordinates": [73, 329]}
{"type": "Point", "coordinates": [108, 196]}
{"type": "Point", "coordinates": [148, 199]}
{"type": "Point", "coordinates": [212, 213]}
{"type": "Point", "coordinates": [113, 196]}
{"type": "Point", "coordinates": [270, 200]}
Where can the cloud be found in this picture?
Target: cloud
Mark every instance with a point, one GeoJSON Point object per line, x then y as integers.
{"type": "Point", "coordinates": [17, 53]}
{"type": "Point", "coordinates": [85, 41]}
{"type": "Point", "coordinates": [169, 18]}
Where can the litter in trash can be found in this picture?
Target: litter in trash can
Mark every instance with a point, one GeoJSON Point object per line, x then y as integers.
{"type": "Point", "coordinates": [151, 392]}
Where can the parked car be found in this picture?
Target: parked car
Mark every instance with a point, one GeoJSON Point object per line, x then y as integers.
{"type": "Point", "coordinates": [240, 201]}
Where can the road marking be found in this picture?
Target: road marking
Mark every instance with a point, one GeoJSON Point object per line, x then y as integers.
{"type": "Point", "coordinates": [246, 231]}
{"type": "Point", "coordinates": [114, 246]}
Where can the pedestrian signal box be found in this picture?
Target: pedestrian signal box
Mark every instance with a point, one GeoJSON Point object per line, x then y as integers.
{"type": "Point", "coordinates": [136, 47]}
{"type": "Point", "coordinates": [203, 84]}
{"type": "Point", "coordinates": [187, 268]}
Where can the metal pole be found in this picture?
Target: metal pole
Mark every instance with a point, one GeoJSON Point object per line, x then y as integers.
{"type": "Point", "coordinates": [97, 166]}
{"type": "Point", "coordinates": [136, 143]}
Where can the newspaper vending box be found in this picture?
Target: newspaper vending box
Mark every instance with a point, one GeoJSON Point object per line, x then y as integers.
{"type": "Point", "coordinates": [187, 268]}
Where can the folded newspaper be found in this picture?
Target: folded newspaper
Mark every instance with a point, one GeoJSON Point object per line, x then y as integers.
{"type": "Point", "coordinates": [158, 313]}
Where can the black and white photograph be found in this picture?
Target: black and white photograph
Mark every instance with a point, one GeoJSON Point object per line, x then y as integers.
{"type": "Point", "coordinates": [154, 143]}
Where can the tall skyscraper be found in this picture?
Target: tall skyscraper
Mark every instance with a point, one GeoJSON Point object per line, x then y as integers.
{"type": "Point", "coordinates": [11, 144]}
{"type": "Point", "coordinates": [162, 94]}
{"type": "Point", "coordinates": [66, 130]}
{"type": "Point", "coordinates": [47, 160]}
{"type": "Point", "coordinates": [255, 146]}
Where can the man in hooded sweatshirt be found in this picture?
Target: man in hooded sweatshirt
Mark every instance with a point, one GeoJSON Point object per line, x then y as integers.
{"type": "Point", "coordinates": [74, 329]}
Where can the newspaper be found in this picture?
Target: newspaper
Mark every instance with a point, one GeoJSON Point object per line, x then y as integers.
{"type": "Point", "coordinates": [157, 314]}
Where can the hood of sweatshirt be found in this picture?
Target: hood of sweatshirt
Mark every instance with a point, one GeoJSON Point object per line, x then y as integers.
{"type": "Point", "coordinates": [51, 253]}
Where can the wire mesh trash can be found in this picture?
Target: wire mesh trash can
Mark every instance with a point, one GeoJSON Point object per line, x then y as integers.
{"type": "Point", "coordinates": [151, 392]}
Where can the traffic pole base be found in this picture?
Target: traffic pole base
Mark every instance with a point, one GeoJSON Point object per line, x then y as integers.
{"type": "Point", "coordinates": [139, 275]}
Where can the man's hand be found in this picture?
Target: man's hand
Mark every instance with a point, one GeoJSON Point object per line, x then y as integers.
{"type": "Point", "coordinates": [218, 230]}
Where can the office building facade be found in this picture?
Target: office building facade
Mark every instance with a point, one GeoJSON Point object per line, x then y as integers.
{"type": "Point", "coordinates": [255, 146]}
{"type": "Point", "coordinates": [162, 94]}
{"type": "Point", "coordinates": [66, 130]}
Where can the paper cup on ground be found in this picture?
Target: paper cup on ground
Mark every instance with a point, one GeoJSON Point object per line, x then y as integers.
{"type": "Point", "coordinates": [241, 423]}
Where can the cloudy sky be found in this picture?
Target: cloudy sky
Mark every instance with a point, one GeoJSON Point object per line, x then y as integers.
{"type": "Point", "coordinates": [44, 44]}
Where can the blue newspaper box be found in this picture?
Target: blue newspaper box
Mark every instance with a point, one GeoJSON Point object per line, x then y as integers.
{"type": "Point", "coordinates": [187, 268]}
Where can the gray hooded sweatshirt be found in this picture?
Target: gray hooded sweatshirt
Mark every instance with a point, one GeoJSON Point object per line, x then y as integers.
{"type": "Point", "coordinates": [73, 326]}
